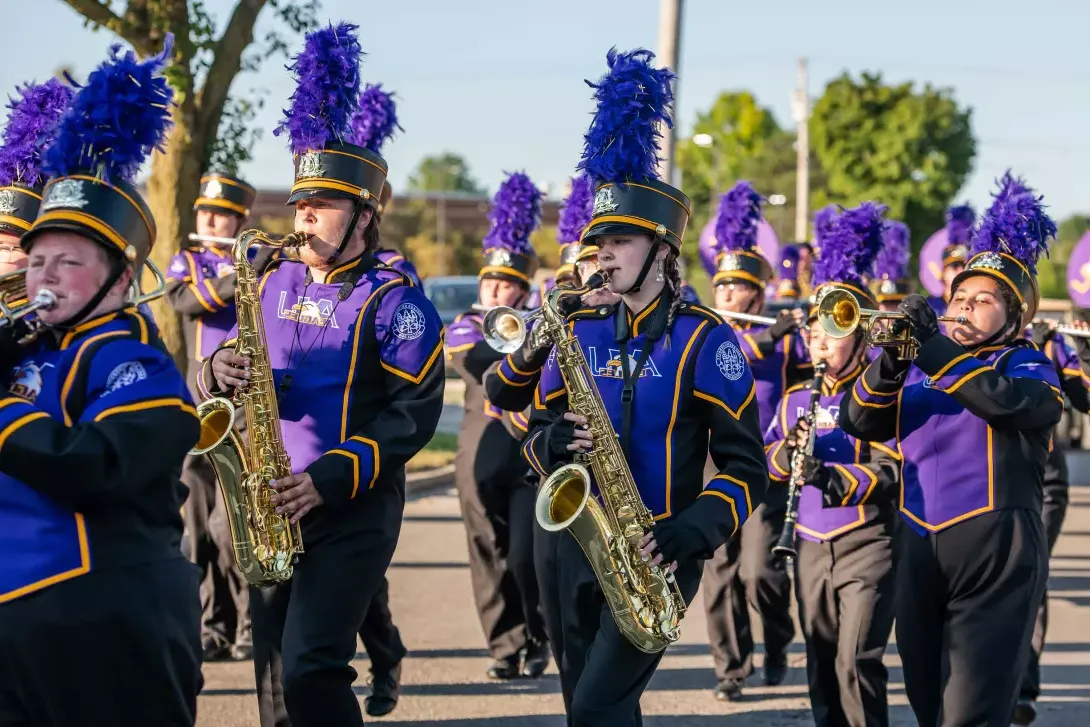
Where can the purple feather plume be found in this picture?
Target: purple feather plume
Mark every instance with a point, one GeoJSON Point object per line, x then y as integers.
{"type": "Point", "coordinates": [515, 214]}
{"type": "Point", "coordinates": [577, 211]}
{"type": "Point", "coordinates": [739, 213]}
{"type": "Point", "coordinates": [848, 244]}
{"type": "Point", "coordinates": [32, 125]}
{"type": "Point", "coordinates": [327, 91]}
{"type": "Point", "coordinates": [1016, 224]}
{"type": "Point", "coordinates": [633, 98]}
{"type": "Point", "coordinates": [376, 119]}
{"type": "Point", "coordinates": [892, 259]}
{"type": "Point", "coordinates": [116, 120]}
{"type": "Point", "coordinates": [959, 224]}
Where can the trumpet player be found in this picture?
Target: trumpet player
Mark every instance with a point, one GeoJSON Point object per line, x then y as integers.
{"type": "Point", "coordinates": [1072, 365]}
{"type": "Point", "coordinates": [973, 413]}
{"type": "Point", "coordinates": [674, 383]}
{"type": "Point", "coordinates": [743, 573]}
{"type": "Point", "coordinates": [373, 125]}
{"type": "Point", "coordinates": [201, 288]}
{"type": "Point", "coordinates": [99, 613]}
{"type": "Point", "coordinates": [355, 352]}
{"type": "Point", "coordinates": [846, 519]}
{"type": "Point", "coordinates": [497, 507]}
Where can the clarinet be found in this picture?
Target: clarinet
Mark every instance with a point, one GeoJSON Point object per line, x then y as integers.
{"type": "Point", "coordinates": [785, 548]}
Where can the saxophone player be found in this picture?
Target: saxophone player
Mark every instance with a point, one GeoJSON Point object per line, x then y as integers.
{"type": "Point", "coordinates": [99, 614]}
{"type": "Point", "coordinates": [973, 413]}
{"type": "Point", "coordinates": [844, 569]}
{"type": "Point", "coordinates": [674, 382]}
{"type": "Point", "coordinates": [201, 287]}
{"type": "Point", "coordinates": [356, 354]}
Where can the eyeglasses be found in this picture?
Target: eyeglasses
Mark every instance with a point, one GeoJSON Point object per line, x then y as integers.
{"type": "Point", "coordinates": [11, 253]}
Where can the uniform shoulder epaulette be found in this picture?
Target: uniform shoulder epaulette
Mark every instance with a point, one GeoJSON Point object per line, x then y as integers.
{"type": "Point", "coordinates": [600, 311]}
{"type": "Point", "coordinates": [701, 311]}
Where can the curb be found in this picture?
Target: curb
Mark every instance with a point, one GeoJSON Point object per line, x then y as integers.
{"type": "Point", "coordinates": [418, 483]}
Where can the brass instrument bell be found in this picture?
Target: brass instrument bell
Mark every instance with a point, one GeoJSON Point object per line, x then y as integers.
{"type": "Point", "coordinates": [840, 315]}
{"type": "Point", "coordinates": [504, 328]}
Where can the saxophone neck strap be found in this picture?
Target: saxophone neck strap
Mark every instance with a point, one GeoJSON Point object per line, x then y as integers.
{"type": "Point", "coordinates": [656, 327]}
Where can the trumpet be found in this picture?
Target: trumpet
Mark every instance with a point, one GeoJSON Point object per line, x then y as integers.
{"type": "Point", "coordinates": [839, 314]}
{"type": "Point", "coordinates": [505, 328]}
{"type": "Point", "coordinates": [748, 317]}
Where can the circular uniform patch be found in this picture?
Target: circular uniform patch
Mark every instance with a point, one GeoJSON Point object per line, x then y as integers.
{"type": "Point", "coordinates": [408, 322]}
{"type": "Point", "coordinates": [731, 362]}
{"type": "Point", "coordinates": [125, 375]}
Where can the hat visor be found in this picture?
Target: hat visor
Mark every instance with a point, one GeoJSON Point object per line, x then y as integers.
{"type": "Point", "coordinates": [320, 193]}
{"type": "Point", "coordinates": [71, 226]}
{"type": "Point", "coordinates": [616, 228]}
{"type": "Point", "coordinates": [226, 208]}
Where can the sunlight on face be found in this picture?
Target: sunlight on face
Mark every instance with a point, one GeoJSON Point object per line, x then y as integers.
{"type": "Point", "coordinates": [622, 257]}
{"type": "Point", "coordinates": [73, 268]}
{"type": "Point", "coordinates": [736, 297]}
{"type": "Point", "coordinates": [835, 352]}
{"type": "Point", "coordinates": [12, 257]}
{"type": "Point", "coordinates": [327, 219]}
{"type": "Point", "coordinates": [979, 299]}
{"type": "Point", "coordinates": [495, 292]}
{"type": "Point", "coordinates": [217, 223]}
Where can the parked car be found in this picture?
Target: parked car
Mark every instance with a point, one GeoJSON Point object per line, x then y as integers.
{"type": "Point", "coordinates": [451, 295]}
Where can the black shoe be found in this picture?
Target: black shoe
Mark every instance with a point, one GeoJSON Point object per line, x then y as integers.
{"type": "Point", "coordinates": [728, 691]}
{"type": "Point", "coordinates": [212, 650]}
{"type": "Point", "coordinates": [504, 668]}
{"type": "Point", "coordinates": [1024, 712]}
{"type": "Point", "coordinates": [775, 669]}
{"type": "Point", "coordinates": [385, 689]}
{"type": "Point", "coordinates": [536, 659]}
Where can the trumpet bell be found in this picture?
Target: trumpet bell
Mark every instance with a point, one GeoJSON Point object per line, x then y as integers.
{"type": "Point", "coordinates": [838, 313]}
{"type": "Point", "coordinates": [504, 329]}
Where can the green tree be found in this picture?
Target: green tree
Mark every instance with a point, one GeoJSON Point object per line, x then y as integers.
{"type": "Point", "coordinates": [909, 149]}
{"type": "Point", "coordinates": [773, 170]}
{"type": "Point", "coordinates": [204, 66]}
{"type": "Point", "coordinates": [1052, 271]}
{"type": "Point", "coordinates": [446, 172]}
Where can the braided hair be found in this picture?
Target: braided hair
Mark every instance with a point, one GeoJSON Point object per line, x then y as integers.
{"type": "Point", "coordinates": [672, 271]}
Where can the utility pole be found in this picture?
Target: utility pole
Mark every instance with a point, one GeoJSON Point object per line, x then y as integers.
{"type": "Point", "coordinates": [669, 56]}
{"type": "Point", "coordinates": [801, 108]}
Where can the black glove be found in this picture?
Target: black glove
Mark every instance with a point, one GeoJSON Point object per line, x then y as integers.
{"type": "Point", "coordinates": [1041, 331]}
{"type": "Point", "coordinates": [814, 472]}
{"type": "Point", "coordinates": [921, 318]}
{"type": "Point", "coordinates": [785, 323]}
{"type": "Point", "coordinates": [11, 353]}
{"type": "Point", "coordinates": [558, 436]}
{"type": "Point", "coordinates": [678, 541]}
{"type": "Point", "coordinates": [529, 358]}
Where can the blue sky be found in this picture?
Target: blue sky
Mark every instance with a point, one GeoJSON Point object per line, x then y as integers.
{"type": "Point", "coordinates": [501, 81]}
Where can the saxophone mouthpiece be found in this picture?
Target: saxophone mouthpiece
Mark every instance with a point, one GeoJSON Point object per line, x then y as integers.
{"type": "Point", "coordinates": [597, 280]}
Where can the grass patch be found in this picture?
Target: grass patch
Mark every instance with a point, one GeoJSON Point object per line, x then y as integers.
{"type": "Point", "coordinates": [439, 452]}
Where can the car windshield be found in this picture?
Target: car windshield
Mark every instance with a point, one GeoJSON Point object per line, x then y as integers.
{"type": "Point", "coordinates": [453, 296]}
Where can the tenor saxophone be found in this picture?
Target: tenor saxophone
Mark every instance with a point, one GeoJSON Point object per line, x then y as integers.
{"type": "Point", "coordinates": [645, 600]}
{"type": "Point", "coordinates": [266, 543]}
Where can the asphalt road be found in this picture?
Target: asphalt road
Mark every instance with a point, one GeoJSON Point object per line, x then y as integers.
{"type": "Point", "coordinates": [444, 674]}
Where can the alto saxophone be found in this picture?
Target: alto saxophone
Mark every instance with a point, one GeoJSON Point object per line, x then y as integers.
{"type": "Point", "coordinates": [266, 543]}
{"type": "Point", "coordinates": [645, 600]}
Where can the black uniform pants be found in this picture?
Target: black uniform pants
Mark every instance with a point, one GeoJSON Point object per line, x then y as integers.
{"type": "Point", "coordinates": [602, 675]}
{"type": "Point", "coordinates": [305, 629]}
{"type": "Point", "coordinates": [118, 647]}
{"type": "Point", "coordinates": [740, 575]}
{"type": "Point", "coordinates": [379, 635]}
{"type": "Point", "coordinates": [499, 531]}
{"type": "Point", "coordinates": [1053, 513]}
{"type": "Point", "coordinates": [225, 596]}
{"type": "Point", "coordinates": [966, 601]}
{"type": "Point", "coordinates": [846, 595]}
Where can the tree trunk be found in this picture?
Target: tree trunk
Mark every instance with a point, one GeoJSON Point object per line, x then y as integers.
{"type": "Point", "coordinates": [172, 190]}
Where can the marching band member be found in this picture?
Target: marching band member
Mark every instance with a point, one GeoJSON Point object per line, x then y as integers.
{"type": "Point", "coordinates": [959, 228]}
{"type": "Point", "coordinates": [201, 288]}
{"type": "Point", "coordinates": [743, 571]}
{"type": "Point", "coordinates": [489, 471]}
{"type": "Point", "coordinates": [891, 282]}
{"type": "Point", "coordinates": [973, 414]}
{"type": "Point", "coordinates": [355, 350]}
{"type": "Point", "coordinates": [1072, 366]}
{"type": "Point", "coordinates": [674, 381]}
{"type": "Point", "coordinates": [372, 126]}
{"type": "Point", "coordinates": [99, 614]}
{"type": "Point", "coordinates": [787, 277]}
{"type": "Point", "coordinates": [844, 572]}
